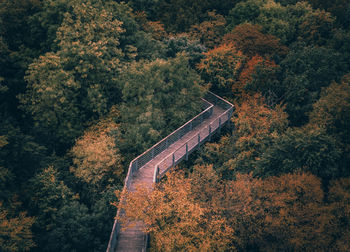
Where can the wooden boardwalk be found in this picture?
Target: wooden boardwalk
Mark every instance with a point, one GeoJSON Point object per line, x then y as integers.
{"type": "Point", "coordinates": [134, 239]}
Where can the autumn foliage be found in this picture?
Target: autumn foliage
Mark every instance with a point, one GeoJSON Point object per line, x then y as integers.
{"type": "Point", "coordinates": [249, 39]}
{"type": "Point", "coordinates": [210, 32]}
{"type": "Point", "coordinates": [202, 213]}
{"type": "Point", "coordinates": [95, 154]}
{"type": "Point", "coordinates": [87, 85]}
{"type": "Point", "coordinates": [257, 75]}
{"type": "Point", "coordinates": [221, 66]}
{"type": "Point", "coordinates": [15, 231]}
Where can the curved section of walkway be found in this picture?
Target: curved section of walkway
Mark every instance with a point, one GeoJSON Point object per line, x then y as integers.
{"type": "Point", "coordinates": [150, 166]}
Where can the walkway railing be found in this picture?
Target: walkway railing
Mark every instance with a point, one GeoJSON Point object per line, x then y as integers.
{"type": "Point", "coordinates": [179, 154]}
{"type": "Point", "coordinates": [195, 142]}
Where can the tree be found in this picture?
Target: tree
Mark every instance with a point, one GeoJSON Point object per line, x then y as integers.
{"type": "Point", "coordinates": [217, 153]}
{"type": "Point", "coordinates": [76, 84]}
{"type": "Point", "coordinates": [260, 75]}
{"type": "Point", "coordinates": [139, 40]}
{"type": "Point", "coordinates": [317, 27]}
{"type": "Point", "coordinates": [52, 100]}
{"type": "Point", "coordinates": [19, 45]}
{"type": "Point", "coordinates": [183, 44]}
{"type": "Point", "coordinates": [278, 213]}
{"type": "Point", "coordinates": [332, 112]}
{"type": "Point", "coordinates": [249, 39]}
{"type": "Point", "coordinates": [15, 231]}
{"type": "Point", "coordinates": [306, 71]}
{"type": "Point", "coordinates": [339, 8]}
{"type": "Point", "coordinates": [244, 11]}
{"type": "Point", "coordinates": [339, 204]}
{"type": "Point", "coordinates": [21, 155]}
{"type": "Point", "coordinates": [158, 97]}
{"type": "Point", "coordinates": [63, 224]}
{"type": "Point", "coordinates": [307, 150]}
{"type": "Point", "coordinates": [96, 157]}
{"type": "Point", "coordinates": [176, 219]}
{"type": "Point", "coordinates": [221, 67]}
{"type": "Point", "coordinates": [48, 194]}
{"type": "Point", "coordinates": [284, 22]}
{"type": "Point", "coordinates": [202, 212]}
{"type": "Point", "coordinates": [179, 15]}
{"type": "Point", "coordinates": [256, 126]}
{"type": "Point", "coordinates": [72, 229]}
{"type": "Point", "coordinates": [46, 21]}
{"type": "Point", "coordinates": [210, 32]}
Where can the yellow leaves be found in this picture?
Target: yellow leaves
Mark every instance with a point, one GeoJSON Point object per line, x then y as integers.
{"type": "Point", "coordinates": [95, 154]}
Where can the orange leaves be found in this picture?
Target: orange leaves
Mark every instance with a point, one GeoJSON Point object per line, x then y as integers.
{"type": "Point", "coordinates": [96, 155]}
{"type": "Point", "coordinates": [156, 28]}
{"type": "Point", "coordinates": [15, 232]}
{"type": "Point", "coordinates": [221, 65]}
{"type": "Point", "coordinates": [203, 213]}
{"type": "Point", "coordinates": [178, 216]}
{"type": "Point", "coordinates": [249, 69]}
{"type": "Point", "coordinates": [278, 213]}
{"type": "Point", "coordinates": [255, 118]}
{"type": "Point", "coordinates": [250, 72]}
{"type": "Point", "coordinates": [242, 60]}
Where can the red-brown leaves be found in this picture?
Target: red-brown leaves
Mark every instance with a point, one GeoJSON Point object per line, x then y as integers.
{"type": "Point", "coordinates": [248, 39]}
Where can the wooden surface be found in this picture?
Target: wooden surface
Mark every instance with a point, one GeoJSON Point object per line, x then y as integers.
{"type": "Point", "coordinates": [132, 239]}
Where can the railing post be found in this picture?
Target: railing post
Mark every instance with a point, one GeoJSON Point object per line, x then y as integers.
{"type": "Point", "coordinates": [209, 132]}
{"type": "Point", "coordinates": [186, 151]}
{"type": "Point", "coordinates": [219, 125]}
{"type": "Point", "coordinates": [199, 140]}
{"type": "Point", "coordinates": [229, 118]}
{"type": "Point", "coordinates": [173, 159]}
{"type": "Point", "coordinates": [155, 178]}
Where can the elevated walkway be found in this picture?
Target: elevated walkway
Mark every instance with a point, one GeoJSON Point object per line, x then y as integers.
{"type": "Point", "coordinates": [151, 165]}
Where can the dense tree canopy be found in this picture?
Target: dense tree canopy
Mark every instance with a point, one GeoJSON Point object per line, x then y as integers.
{"type": "Point", "coordinates": [158, 96]}
{"type": "Point", "coordinates": [87, 85]}
{"type": "Point", "coordinates": [277, 213]}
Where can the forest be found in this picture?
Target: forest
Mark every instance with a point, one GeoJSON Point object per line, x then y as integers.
{"type": "Point", "coordinates": [88, 85]}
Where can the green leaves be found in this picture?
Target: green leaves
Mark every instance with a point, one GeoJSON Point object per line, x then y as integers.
{"type": "Point", "coordinates": [77, 83]}
{"type": "Point", "coordinates": [306, 71]}
{"type": "Point", "coordinates": [301, 150]}
{"type": "Point", "coordinates": [158, 97]}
